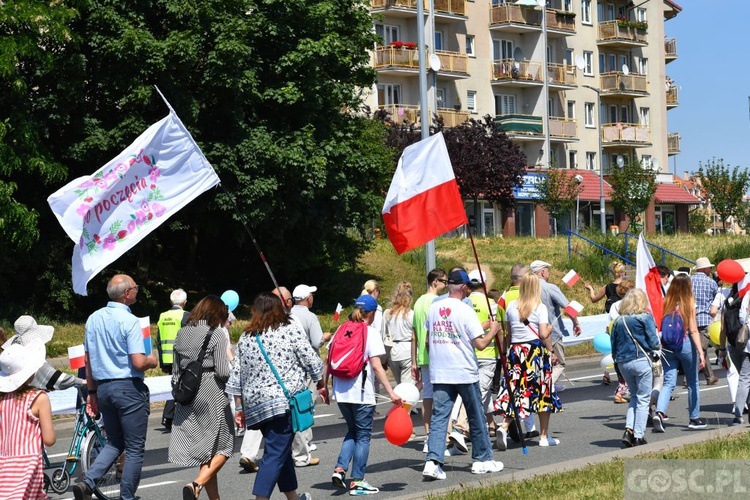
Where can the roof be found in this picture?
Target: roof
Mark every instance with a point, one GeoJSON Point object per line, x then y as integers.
{"type": "Point", "coordinates": [589, 185]}
{"type": "Point", "coordinates": [672, 10]}
{"type": "Point", "coordinates": [671, 193]}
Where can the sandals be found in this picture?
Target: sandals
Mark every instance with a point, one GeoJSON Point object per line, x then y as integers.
{"type": "Point", "coordinates": [606, 380]}
{"type": "Point", "coordinates": [191, 491]}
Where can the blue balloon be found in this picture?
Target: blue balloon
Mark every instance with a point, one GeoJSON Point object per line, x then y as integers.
{"type": "Point", "coordinates": [231, 299]}
{"type": "Point", "coordinates": [602, 343]}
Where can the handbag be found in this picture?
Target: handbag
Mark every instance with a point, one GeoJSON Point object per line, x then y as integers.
{"type": "Point", "coordinates": [742, 336]}
{"type": "Point", "coordinates": [301, 405]}
{"type": "Point", "coordinates": [186, 388]}
{"type": "Point", "coordinates": [654, 359]}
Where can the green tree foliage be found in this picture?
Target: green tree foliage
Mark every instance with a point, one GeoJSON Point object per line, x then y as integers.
{"type": "Point", "coordinates": [724, 188]}
{"type": "Point", "coordinates": [699, 221]}
{"type": "Point", "coordinates": [558, 192]}
{"type": "Point", "coordinates": [633, 187]}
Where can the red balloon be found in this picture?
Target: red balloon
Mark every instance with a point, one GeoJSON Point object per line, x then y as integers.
{"type": "Point", "coordinates": [398, 426]}
{"type": "Point", "coordinates": [730, 271]}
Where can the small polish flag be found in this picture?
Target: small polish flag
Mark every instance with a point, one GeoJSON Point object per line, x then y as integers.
{"type": "Point", "coordinates": [571, 278]}
{"type": "Point", "coordinates": [744, 285]}
{"type": "Point", "coordinates": [146, 330]}
{"type": "Point", "coordinates": [336, 315]}
{"type": "Point", "coordinates": [77, 357]}
{"type": "Point", "coordinates": [573, 309]}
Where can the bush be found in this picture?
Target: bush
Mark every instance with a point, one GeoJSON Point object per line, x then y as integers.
{"type": "Point", "coordinates": [737, 250]}
{"type": "Point", "coordinates": [699, 221]}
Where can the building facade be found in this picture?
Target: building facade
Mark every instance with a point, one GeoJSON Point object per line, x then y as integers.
{"type": "Point", "coordinates": [580, 84]}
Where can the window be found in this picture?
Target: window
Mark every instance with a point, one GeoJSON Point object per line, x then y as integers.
{"type": "Point", "coordinates": [553, 157]}
{"type": "Point", "coordinates": [438, 40]}
{"type": "Point", "coordinates": [571, 109]}
{"type": "Point", "coordinates": [569, 57]}
{"type": "Point", "coordinates": [612, 62]}
{"type": "Point", "coordinates": [588, 62]}
{"type": "Point", "coordinates": [572, 159]}
{"type": "Point", "coordinates": [440, 97]}
{"type": "Point", "coordinates": [387, 33]}
{"type": "Point", "coordinates": [643, 66]}
{"type": "Point", "coordinates": [602, 63]}
{"type": "Point", "coordinates": [590, 160]}
{"type": "Point", "coordinates": [586, 11]}
{"type": "Point", "coordinates": [388, 94]}
{"type": "Point", "coordinates": [588, 114]}
{"type": "Point", "coordinates": [505, 104]}
{"type": "Point", "coordinates": [568, 5]}
{"type": "Point", "coordinates": [471, 98]}
{"type": "Point", "coordinates": [612, 113]}
{"type": "Point", "coordinates": [647, 162]}
{"type": "Point", "coordinates": [644, 115]}
{"type": "Point", "coordinates": [610, 12]}
{"type": "Point", "coordinates": [470, 45]}
{"type": "Point", "coordinates": [502, 49]}
{"type": "Point", "coordinates": [623, 62]}
{"type": "Point", "coordinates": [640, 14]}
{"type": "Point", "coordinates": [624, 114]}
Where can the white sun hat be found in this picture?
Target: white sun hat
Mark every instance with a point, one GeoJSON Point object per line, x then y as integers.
{"type": "Point", "coordinates": [27, 331]}
{"type": "Point", "coordinates": [18, 363]}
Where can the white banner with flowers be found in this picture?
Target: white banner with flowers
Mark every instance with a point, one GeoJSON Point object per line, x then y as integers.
{"type": "Point", "coordinates": [109, 212]}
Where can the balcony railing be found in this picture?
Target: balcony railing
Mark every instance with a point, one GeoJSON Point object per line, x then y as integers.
{"type": "Point", "coordinates": [561, 74]}
{"type": "Point", "coordinates": [673, 143]}
{"type": "Point", "coordinates": [456, 7]}
{"type": "Point", "coordinates": [387, 56]}
{"type": "Point", "coordinates": [561, 128]}
{"type": "Point", "coordinates": [625, 133]}
{"type": "Point", "coordinates": [621, 31]}
{"type": "Point", "coordinates": [672, 100]}
{"type": "Point", "coordinates": [564, 128]}
{"type": "Point", "coordinates": [560, 20]}
{"type": "Point", "coordinates": [670, 49]}
{"type": "Point", "coordinates": [618, 82]}
{"type": "Point", "coordinates": [514, 14]}
{"type": "Point", "coordinates": [453, 62]}
{"type": "Point", "coordinates": [531, 71]}
{"type": "Point", "coordinates": [410, 113]}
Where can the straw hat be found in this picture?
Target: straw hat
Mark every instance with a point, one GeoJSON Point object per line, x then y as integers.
{"type": "Point", "coordinates": [18, 363]}
{"type": "Point", "coordinates": [27, 331]}
{"type": "Point", "coordinates": [703, 263]}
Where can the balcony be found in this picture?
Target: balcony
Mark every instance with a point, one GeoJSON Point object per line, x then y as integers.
{"type": "Point", "coordinates": [625, 134]}
{"type": "Point", "coordinates": [512, 73]}
{"type": "Point", "coordinates": [621, 33]}
{"type": "Point", "coordinates": [514, 18]}
{"type": "Point", "coordinates": [673, 143]}
{"type": "Point", "coordinates": [618, 83]}
{"type": "Point", "coordinates": [390, 60]}
{"type": "Point", "coordinates": [411, 114]}
{"type": "Point", "coordinates": [444, 9]}
{"type": "Point", "coordinates": [670, 50]}
{"type": "Point", "coordinates": [672, 101]}
{"type": "Point", "coordinates": [531, 128]}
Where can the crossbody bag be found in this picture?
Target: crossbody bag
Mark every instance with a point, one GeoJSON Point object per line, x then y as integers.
{"type": "Point", "coordinates": [657, 369]}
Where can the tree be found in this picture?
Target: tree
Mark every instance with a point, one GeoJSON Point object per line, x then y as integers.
{"type": "Point", "coordinates": [725, 190]}
{"type": "Point", "coordinates": [699, 221]}
{"type": "Point", "coordinates": [633, 187]}
{"type": "Point", "coordinates": [558, 192]}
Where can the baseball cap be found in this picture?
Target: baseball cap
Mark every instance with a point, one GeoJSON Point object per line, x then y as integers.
{"type": "Point", "coordinates": [538, 265]}
{"type": "Point", "coordinates": [301, 292]}
{"type": "Point", "coordinates": [366, 302]}
{"type": "Point", "coordinates": [475, 276]}
{"type": "Point", "coordinates": [458, 277]}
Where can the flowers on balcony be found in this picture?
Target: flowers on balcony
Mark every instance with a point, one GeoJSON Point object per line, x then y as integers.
{"type": "Point", "coordinates": [624, 22]}
{"type": "Point", "coordinates": [565, 14]}
{"type": "Point", "coordinates": [398, 44]}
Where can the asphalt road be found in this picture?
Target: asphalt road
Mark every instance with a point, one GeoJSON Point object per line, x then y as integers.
{"type": "Point", "coordinates": [591, 424]}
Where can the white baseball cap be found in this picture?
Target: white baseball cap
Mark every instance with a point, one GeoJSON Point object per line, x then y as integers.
{"type": "Point", "coordinates": [475, 277]}
{"type": "Point", "coordinates": [301, 292]}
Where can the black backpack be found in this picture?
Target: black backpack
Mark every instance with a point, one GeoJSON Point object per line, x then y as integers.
{"type": "Point", "coordinates": [186, 388]}
{"type": "Point", "coordinates": [731, 317]}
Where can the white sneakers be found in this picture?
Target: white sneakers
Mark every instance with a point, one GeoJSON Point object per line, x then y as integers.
{"type": "Point", "coordinates": [501, 438]}
{"type": "Point", "coordinates": [485, 467]}
{"type": "Point", "coordinates": [452, 451]}
{"type": "Point", "coordinates": [457, 439]}
{"type": "Point", "coordinates": [549, 441]}
{"type": "Point", "coordinates": [432, 470]}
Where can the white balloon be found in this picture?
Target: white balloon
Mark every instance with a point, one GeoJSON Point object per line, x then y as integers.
{"type": "Point", "coordinates": [607, 363]}
{"type": "Point", "coordinates": [408, 392]}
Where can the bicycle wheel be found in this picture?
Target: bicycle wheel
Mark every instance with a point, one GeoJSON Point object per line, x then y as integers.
{"type": "Point", "coordinates": [108, 486]}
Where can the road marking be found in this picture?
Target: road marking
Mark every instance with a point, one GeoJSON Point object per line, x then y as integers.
{"type": "Point", "coordinates": [140, 487]}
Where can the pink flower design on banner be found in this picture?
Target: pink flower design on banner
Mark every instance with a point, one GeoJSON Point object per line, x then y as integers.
{"type": "Point", "coordinates": [83, 209]}
{"type": "Point", "coordinates": [131, 226]}
{"type": "Point", "coordinates": [154, 173]}
{"type": "Point", "coordinates": [109, 242]}
{"type": "Point", "coordinates": [159, 209]}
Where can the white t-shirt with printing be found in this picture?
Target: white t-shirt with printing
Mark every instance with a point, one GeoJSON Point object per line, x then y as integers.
{"type": "Point", "coordinates": [452, 327]}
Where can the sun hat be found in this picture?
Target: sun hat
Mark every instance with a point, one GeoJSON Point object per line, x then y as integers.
{"type": "Point", "coordinates": [18, 363]}
{"type": "Point", "coordinates": [538, 265]}
{"type": "Point", "coordinates": [301, 292]}
{"type": "Point", "coordinates": [27, 331]}
{"type": "Point", "coordinates": [366, 302]}
{"type": "Point", "coordinates": [703, 263]}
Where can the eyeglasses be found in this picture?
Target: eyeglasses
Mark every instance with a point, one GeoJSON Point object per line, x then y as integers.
{"type": "Point", "coordinates": [443, 281]}
{"type": "Point", "coordinates": [136, 288]}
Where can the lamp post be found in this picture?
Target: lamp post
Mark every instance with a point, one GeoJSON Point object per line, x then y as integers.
{"type": "Point", "coordinates": [579, 180]}
{"type": "Point", "coordinates": [602, 212]}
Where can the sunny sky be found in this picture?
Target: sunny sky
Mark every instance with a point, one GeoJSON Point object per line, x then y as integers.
{"type": "Point", "coordinates": [712, 71]}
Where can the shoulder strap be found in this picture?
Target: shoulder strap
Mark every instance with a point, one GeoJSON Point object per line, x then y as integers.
{"type": "Point", "coordinates": [526, 322]}
{"type": "Point", "coordinates": [273, 368]}
{"type": "Point", "coordinates": [631, 336]}
{"type": "Point", "coordinates": [202, 354]}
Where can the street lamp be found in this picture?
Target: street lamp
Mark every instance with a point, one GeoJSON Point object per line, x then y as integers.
{"type": "Point", "coordinates": [602, 212]}
{"type": "Point", "coordinates": [579, 180]}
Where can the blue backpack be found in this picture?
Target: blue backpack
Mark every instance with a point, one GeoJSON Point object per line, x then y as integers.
{"type": "Point", "coordinates": [672, 332]}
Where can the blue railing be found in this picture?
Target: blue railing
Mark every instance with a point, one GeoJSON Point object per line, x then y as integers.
{"type": "Point", "coordinates": [606, 251]}
{"type": "Point", "coordinates": [663, 251]}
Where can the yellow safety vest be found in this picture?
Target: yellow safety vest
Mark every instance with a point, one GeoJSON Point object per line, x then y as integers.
{"type": "Point", "coordinates": [170, 323]}
{"type": "Point", "coordinates": [483, 313]}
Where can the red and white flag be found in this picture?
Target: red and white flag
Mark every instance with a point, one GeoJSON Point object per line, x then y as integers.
{"type": "Point", "coordinates": [571, 278]}
{"type": "Point", "coordinates": [77, 357]}
{"type": "Point", "coordinates": [573, 309]}
{"type": "Point", "coordinates": [423, 201]}
{"type": "Point", "coordinates": [336, 315]}
{"type": "Point", "coordinates": [744, 285]}
{"type": "Point", "coordinates": [647, 278]}
{"type": "Point", "coordinates": [146, 331]}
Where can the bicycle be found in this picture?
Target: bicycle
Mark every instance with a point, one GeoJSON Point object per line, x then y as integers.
{"type": "Point", "coordinates": [88, 440]}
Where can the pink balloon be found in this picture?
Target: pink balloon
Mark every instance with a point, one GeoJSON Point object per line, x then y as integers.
{"type": "Point", "coordinates": [398, 426]}
{"type": "Point", "coordinates": [730, 271]}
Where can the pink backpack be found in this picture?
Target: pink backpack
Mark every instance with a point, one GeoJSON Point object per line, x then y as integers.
{"type": "Point", "coordinates": [346, 353]}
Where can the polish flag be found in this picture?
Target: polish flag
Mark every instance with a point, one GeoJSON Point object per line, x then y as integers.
{"type": "Point", "coordinates": [744, 285]}
{"type": "Point", "coordinates": [571, 278]}
{"type": "Point", "coordinates": [573, 309]}
{"type": "Point", "coordinates": [146, 330]}
{"type": "Point", "coordinates": [338, 312]}
{"type": "Point", "coordinates": [423, 201]}
{"type": "Point", "coordinates": [647, 278]}
{"type": "Point", "coordinates": [77, 357]}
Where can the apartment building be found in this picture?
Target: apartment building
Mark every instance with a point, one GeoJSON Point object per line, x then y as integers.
{"type": "Point", "coordinates": [580, 84]}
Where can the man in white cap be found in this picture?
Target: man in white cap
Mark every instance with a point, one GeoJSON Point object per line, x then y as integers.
{"type": "Point", "coordinates": [555, 300]}
{"type": "Point", "coordinates": [303, 301]}
{"type": "Point", "coordinates": [704, 290]}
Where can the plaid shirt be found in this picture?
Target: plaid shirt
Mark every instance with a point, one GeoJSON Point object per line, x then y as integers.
{"type": "Point", "coordinates": [704, 289]}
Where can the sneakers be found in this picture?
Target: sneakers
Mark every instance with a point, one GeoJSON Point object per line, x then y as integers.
{"type": "Point", "coordinates": [697, 423]}
{"type": "Point", "coordinates": [81, 491]}
{"type": "Point", "coordinates": [457, 439]}
{"type": "Point", "coordinates": [311, 463]}
{"type": "Point", "coordinates": [432, 470]}
{"type": "Point", "coordinates": [549, 441]}
{"type": "Point", "coordinates": [337, 478]}
{"type": "Point", "coordinates": [501, 438]}
{"type": "Point", "coordinates": [453, 452]}
{"type": "Point", "coordinates": [357, 488]}
{"type": "Point", "coordinates": [532, 434]}
{"type": "Point", "coordinates": [736, 421]}
{"type": "Point", "coordinates": [305, 496]}
{"type": "Point", "coordinates": [485, 467]}
{"type": "Point", "coordinates": [312, 447]}
{"type": "Point", "coordinates": [639, 442]}
{"type": "Point", "coordinates": [628, 439]}
{"type": "Point", "coordinates": [712, 381]}
{"type": "Point", "coordinates": [659, 422]}
{"type": "Point", "coordinates": [248, 465]}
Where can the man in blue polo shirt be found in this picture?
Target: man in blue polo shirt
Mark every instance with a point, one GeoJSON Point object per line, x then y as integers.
{"type": "Point", "coordinates": [115, 362]}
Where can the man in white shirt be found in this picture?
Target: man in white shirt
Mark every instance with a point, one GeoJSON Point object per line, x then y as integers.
{"type": "Point", "coordinates": [303, 301]}
{"type": "Point", "coordinates": [454, 331]}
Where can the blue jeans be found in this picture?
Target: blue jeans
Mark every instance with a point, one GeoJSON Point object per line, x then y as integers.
{"type": "Point", "coordinates": [277, 466]}
{"type": "Point", "coordinates": [443, 398]}
{"type": "Point", "coordinates": [688, 359]}
{"type": "Point", "coordinates": [356, 445]}
{"type": "Point", "coordinates": [638, 376]}
{"type": "Point", "coordinates": [125, 407]}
